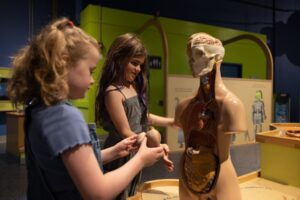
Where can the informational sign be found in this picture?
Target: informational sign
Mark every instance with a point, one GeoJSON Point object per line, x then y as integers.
{"type": "Point", "coordinates": [154, 62]}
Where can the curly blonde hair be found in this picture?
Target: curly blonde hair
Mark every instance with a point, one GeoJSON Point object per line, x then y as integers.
{"type": "Point", "coordinates": [40, 68]}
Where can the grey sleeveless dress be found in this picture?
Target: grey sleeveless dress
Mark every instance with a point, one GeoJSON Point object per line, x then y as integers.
{"type": "Point", "coordinates": [136, 115]}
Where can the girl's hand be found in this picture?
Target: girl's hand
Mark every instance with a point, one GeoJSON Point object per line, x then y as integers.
{"type": "Point", "coordinates": [168, 163]}
{"type": "Point", "coordinates": [125, 146]}
{"type": "Point", "coordinates": [174, 125]}
{"type": "Point", "coordinates": [147, 155]}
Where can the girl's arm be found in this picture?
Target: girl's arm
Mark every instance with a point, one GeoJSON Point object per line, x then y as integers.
{"type": "Point", "coordinates": [114, 105]}
{"type": "Point", "coordinates": [84, 170]}
{"type": "Point", "coordinates": [160, 121]}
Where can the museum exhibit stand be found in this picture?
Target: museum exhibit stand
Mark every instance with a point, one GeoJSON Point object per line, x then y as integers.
{"type": "Point", "coordinates": [15, 133]}
{"type": "Point", "coordinates": [280, 153]}
{"type": "Point", "coordinates": [267, 169]}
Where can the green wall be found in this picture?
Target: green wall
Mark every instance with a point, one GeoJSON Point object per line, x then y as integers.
{"type": "Point", "coordinates": [105, 24]}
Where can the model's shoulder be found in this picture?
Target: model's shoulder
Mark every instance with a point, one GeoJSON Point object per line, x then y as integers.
{"type": "Point", "coordinates": [182, 105]}
{"type": "Point", "coordinates": [234, 114]}
{"type": "Point", "coordinates": [232, 100]}
{"type": "Point", "coordinates": [185, 101]}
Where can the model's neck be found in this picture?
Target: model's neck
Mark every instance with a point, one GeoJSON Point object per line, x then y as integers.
{"type": "Point", "coordinates": [206, 91]}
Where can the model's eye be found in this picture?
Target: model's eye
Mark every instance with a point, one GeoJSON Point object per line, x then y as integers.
{"type": "Point", "coordinates": [192, 60]}
{"type": "Point", "coordinates": [199, 53]}
{"type": "Point", "coordinates": [212, 57]}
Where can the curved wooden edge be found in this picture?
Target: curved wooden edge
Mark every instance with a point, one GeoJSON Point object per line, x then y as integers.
{"type": "Point", "coordinates": [153, 184]}
{"type": "Point", "coordinates": [156, 23]}
{"type": "Point", "coordinates": [262, 45]}
{"type": "Point", "coordinates": [285, 126]}
{"type": "Point", "coordinates": [158, 183]}
{"type": "Point", "coordinates": [137, 196]}
{"type": "Point", "coordinates": [277, 136]}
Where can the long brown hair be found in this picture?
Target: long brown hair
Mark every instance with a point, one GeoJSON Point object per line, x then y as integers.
{"type": "Point", "coordinates": [40, 68]}
{"type": "Point", "coordinates": [123, 48]}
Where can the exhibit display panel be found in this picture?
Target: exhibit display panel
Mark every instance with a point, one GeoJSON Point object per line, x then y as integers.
{"type": "Point", "coordinates": [180, 87]}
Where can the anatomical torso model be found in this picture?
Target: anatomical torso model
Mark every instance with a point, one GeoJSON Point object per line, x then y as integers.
{"type": "Point", "coordinates": [208, 120]}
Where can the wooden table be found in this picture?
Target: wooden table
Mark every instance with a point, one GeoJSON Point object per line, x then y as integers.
{"type": "Point", "coordinates": [252, 187]}
{"type": "Point", "coordinates": [15, 133]}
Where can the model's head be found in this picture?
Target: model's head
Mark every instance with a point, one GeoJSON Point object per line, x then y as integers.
{"type": "Point", "coordinates": [203, 52]}
{"type": "Point", "coordinates": [41, 68]}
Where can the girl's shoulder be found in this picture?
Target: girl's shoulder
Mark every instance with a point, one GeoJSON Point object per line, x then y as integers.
{"type": "Point", "coordinates": [60, 110]}
{"type": "Point", "coordinates": [112, 88]}
{"type": "Point", "coordinates": [115, 91]}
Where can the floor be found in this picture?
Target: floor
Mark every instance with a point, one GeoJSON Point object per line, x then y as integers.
{"type": "Point", "coordinates": [12, 176]}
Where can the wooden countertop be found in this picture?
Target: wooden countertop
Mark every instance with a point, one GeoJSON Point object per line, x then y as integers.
{"type": "Point", "coordinates": [19, 114]}
{"type": "Point", "coordinates": [255, 188]}
{"type": "Point", "coordinates": [277, 135]}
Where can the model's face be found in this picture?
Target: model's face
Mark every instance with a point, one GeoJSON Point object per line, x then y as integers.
{"type": "Point", "coordinates": [133, 68]}
{"type": "Point", "coordinates": [203, 58]}
{"type": "Point", "coordinates": [80, 76]}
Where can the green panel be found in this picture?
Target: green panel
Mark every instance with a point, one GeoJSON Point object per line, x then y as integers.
{"type": "Point", "coordinates": [280, 164]}
{"type": "Point", "coordinates": [90, 14]}
{"type": "Point", "coordinates": [244, 52]}
{"type": "Point", "coordinates": [178, 63]}
{"type": "Point", "coordinates": [124, 18]}
{"type": "Point", "coordinates": [153, 43]}
{"type": "Point", "coordinates": [254, 63]}
{"type": "Point", "coordinates": [6, 105]}
{"type": "Point", "coordinates": [5, 72]}
{"type": "Point", "coordinates": [93, 29]}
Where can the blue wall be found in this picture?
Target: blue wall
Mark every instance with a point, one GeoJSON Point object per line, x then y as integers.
{"type": "Point", "coordinates": [14, 28]}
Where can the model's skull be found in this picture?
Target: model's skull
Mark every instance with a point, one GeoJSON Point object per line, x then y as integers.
{"type": "Point", "coordinates": [204, 51]}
